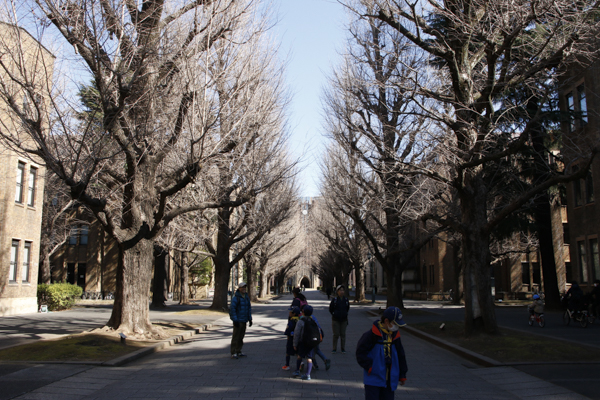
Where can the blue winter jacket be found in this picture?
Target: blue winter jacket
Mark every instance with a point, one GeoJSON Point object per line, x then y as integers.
{"type": "Point", "coordinates": [370, 354]}
{"type": "Point", "coordinates": [240, 309]}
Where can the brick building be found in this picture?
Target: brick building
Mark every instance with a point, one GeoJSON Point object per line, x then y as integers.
{"type": "Point", "coordinates": [21, 180]}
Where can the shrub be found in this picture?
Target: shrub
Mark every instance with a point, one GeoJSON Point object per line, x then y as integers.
{"type": "Point", "coordinates": [58, 296]}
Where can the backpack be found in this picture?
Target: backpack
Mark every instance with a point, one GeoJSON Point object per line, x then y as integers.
{"type": "Point", "coordinates": [311, 336]}
{"type": "Point", "coordinates": [302, 304]}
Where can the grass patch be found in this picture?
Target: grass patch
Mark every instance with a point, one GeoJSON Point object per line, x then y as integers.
{"type": "Point", "coordinates": [86, 347]}
{"type": "Point", "coordinates": [511, 346]}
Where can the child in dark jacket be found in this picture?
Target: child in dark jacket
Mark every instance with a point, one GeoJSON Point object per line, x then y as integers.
{"type": "Point", "coordinates": [289, 332]}
{"type": "Point", "coordinates": [381, 355]}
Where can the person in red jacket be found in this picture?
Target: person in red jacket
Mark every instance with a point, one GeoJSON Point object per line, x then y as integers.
{"type": "Point", "coordinates": [381, 355]}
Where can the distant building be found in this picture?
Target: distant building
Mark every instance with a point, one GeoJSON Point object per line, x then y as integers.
{"type": "Point", "coordinates": [582, 128]}
{"type": "Point", "coordinates": [21, 183]}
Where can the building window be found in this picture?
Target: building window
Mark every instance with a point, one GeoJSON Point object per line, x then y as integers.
{"type": "Point", "coordinates": [571, 109]}
{"type": "Point", "coordinates": [583, 118]}
{"type": "Point", "coordinates": [14, 261]}
{"type": "Point", "coordinates": [32, 182]}
{"type": "Point", "coordinates": [431, 275]}
{"type": "Point", "coordinates": [73, 235]}
{"type": "Point", "coordinates": [525, 279]}
{"type": "Point", "coordinates": [583, 271]}
{"type": "Point", "coordinates": [20, 180]}
{"type": "Point", "coordinates": [83, 234]}
{"type": "Point", "coordinates": [595, 258]}
{"type": "Point", "coordinates": [26, 262]}
{"type": "Point", "coordinates": [589, 188]}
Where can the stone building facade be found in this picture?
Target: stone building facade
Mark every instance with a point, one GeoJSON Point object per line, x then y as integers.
{"type": "Point", "coordinates": [21, 180]}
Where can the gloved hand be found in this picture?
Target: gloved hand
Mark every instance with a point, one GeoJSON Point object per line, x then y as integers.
{"type": "Point", "coordinates": [402, 381]}
{"type": "Point", "coordinates": [250, 323]}
{"type": "Point", "coordinates": [236, 324]}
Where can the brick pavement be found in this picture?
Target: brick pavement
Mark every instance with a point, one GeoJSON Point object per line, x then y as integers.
{"type": "Point", "coordinates": [201, 368]}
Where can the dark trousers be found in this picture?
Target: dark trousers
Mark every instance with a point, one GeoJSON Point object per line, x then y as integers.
{"type": "Point", "coordinates": [237, 339]}
{"type": "Point", "coordinates": [339, 331]}
{"type": "Point", "coordinates": [378, 393]}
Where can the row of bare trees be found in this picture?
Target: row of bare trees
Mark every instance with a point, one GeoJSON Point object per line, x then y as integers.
{"type": "Point", "coordinates": [186, 145]}
{"type": "Point", "coordinates": [439, 119]}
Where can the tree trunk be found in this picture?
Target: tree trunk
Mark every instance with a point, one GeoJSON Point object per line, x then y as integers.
{"type": "Point", "coordinates": [251, 279]}
{"type": "Point", "coordinates": [45, 275]}
{"type": "Point", "coordinates": [543, 219]}
{"type": "Point", "coordinates": [394, 295]}
{"type": "Point", "coordinates": [264, 284]}
{"type": "Point", "coordinates": [222, 270]}
{"type": "Point", "coordinates": [159, 290]}
{"type": "Point", "coordinates": [184, 290]}
{"type": "Point", "coordinates": [479, 305]}
{"type": "Point", "coordinates": [134, 270]}
{"type": "Point", "coordinates": [359, 293]}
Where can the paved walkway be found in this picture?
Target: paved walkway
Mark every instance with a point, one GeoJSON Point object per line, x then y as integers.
{"type": "Point", "coordinates": [202, 368]}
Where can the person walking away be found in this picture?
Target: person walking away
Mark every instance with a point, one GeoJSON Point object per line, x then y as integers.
{"type": "Point", "coordinates": [318, 351]}
{"type": "Point", "coordinates": [338, 308]}
{"type": "Point", "coordinates": [328, 291]}
{"type": "Point", "coordinates": [299, 299]}
{"type": "Point", "coordinates": [289, 332]}
{"type": "Point", "coordinates": [306, 338]}
{"type": "Point", "coordinates": [240, 313]}
{"type": "Point", "coordinates": [381, 355]}
{"type": "Point", "coordinates": [537, 306]}
{"type": "Point", "coordinates": [574, 297]}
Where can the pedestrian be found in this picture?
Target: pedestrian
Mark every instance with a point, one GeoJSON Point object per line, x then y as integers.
{"type": "Point", "coordinates": [328, 291]}
{"type": "Point", "coordinates": [318, 351]}
{"type": "Point", "coordinates": [293, 317]}
{"type": "Point", "coordinates": [299, 299]}
{"type": "Point", "coordinates": [240, 313]}
{"type": "Point", "coordinates": [338, 308]}
{"type": "Point", "coordinates": [381, 355]}
{"type": "Point", "coordinates": [306, 338]}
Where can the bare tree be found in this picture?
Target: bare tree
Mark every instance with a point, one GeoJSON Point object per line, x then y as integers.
{"type": "Point", "coordinates": [479, 52]}
{"type": "Point", "coordinates": [160, 77]}
{"type": "Point", "coordinates": [378, 134]}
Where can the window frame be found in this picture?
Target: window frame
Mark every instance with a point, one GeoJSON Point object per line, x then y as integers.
{"type": "Point", "coordinates": [26, 267]}
{"type": "Point", "coordinates": [14, 261]}
{"type": "Point", "coordinates": [31, 186]}
{"type": "Point", "coordinates": [19, 183]}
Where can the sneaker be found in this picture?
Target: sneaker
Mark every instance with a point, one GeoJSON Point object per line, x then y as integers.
{"type": "Point", "coordinates": [343, 351]}
{"type": "Point", "coordinates": [241, 355]}
{"type": "Point", "coordinates": [305, 377]}
{"type": "Point", "coordinates": [285, 368]}
{"type": "Point", "coordinates": [296, 373]}
{"type": "Point", "coordinates": [234, 356]}
{"type": "Point", "coordinates": [315, 366]}
{"type": "Point", "coordinates": [327, 365]}
{"type": "Point", "coordinates": [333, 352]}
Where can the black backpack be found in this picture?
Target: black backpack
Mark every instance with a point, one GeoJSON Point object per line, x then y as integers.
{"type": "Point", "coordinates": [311, 336]}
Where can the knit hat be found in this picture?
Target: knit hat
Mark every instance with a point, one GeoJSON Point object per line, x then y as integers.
{"type": "Point", "coordinates": [307, 310]}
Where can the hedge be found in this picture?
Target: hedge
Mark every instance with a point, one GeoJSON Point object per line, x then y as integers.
{"type": "Point", "coordinates": [58, 296]}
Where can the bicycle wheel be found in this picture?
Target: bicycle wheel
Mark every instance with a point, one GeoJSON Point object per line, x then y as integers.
{"type": "Point", "coordinates": [566, 318]}
{"type": "Point", "coordinates": [542, 321]}
{"type": "Point", "coordinates": [583, 321]}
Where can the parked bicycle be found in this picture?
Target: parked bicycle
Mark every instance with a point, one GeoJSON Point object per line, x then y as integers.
{"type": "Point", "coordinates": [537, 317]}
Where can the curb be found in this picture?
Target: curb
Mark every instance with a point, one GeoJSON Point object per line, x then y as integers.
{"type": "Point", "coordinates": [467, 354]}
{"type": "Point", "coordinates": [117, 362]}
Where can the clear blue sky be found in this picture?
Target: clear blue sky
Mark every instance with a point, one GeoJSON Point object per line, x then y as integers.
{"type": "Point", "coordinates": [311, 33]}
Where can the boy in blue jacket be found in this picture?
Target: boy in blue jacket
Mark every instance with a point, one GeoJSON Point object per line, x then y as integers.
{"type": "Point", "coordinates": [380, 353]}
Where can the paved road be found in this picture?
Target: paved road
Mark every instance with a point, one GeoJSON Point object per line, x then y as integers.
{"type": "Point", "coordinates": [202, 368]}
